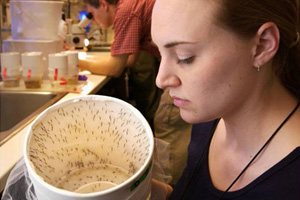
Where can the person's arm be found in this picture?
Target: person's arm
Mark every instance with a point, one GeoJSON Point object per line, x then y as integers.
{"type": "Point", "coordinates": [111, 66]}
{"type": "Point", "coordinates": [132, 59]}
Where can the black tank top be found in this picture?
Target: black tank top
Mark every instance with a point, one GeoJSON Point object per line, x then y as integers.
{"type": "Point", "coordinates": [280, 182]}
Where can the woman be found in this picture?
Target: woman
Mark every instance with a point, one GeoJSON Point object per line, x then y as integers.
{"type": "Point", "coordinates": [233, 69]}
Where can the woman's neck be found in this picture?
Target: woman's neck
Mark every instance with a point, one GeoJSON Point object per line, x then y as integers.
{"type": "Point", "coordinates": [250, 126]}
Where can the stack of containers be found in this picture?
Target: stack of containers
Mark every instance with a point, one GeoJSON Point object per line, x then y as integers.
{"type": "Point", "coordinates": [63, 68]}
{"type": "Point", "coordinates": [35, 26]}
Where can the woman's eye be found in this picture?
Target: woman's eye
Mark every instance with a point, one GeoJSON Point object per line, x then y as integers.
{"type": "Point", "coordinates": [186, 60]}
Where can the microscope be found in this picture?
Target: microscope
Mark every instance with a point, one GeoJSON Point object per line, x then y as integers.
{"type": "Point", "coordinates": [76, 34]}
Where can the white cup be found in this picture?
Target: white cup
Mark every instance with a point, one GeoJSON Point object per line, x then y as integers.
{"type": "Point", "coordinates": [32, 63]}
{"type": "Point", "coordinates": [58, 68]}
{"type": "Point", "coordinates": [10, 68]}
{"type": "Point", "coordinates": [72, 62]}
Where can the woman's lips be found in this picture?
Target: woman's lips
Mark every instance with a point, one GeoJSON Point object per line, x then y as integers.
{"type": "Point", "coordinates": [179, 102]}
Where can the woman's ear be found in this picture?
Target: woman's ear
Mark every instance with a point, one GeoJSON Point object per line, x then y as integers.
{"type": "Point", "coordinates": [267, 43]}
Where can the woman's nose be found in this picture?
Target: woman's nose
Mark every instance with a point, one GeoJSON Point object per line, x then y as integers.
{"type": "Point", "coordinates": [166, 76]}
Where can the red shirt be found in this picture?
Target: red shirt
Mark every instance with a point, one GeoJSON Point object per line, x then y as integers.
{"type": "Point", "coordinates": [132, 28]}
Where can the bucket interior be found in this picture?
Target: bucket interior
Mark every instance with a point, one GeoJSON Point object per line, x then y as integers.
{"type": "Point", "coordinates": [88, 145]}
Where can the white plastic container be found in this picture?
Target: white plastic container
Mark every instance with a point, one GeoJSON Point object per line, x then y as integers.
{"type": "Point", "coordinates": [35, 19]}
{"type": "Point", "coordinates": [58, 69]}
{"type": "Point", "coordinates": [33, 69]}
{"type": "Point", "coordinates": [11, 68]}
{"type": "Point", "coordinates": [73, 69]}
{"type": "Point", "coordinates": [92, 148]}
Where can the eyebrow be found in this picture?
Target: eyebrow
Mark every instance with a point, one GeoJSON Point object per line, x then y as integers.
{"type": "Point", "coordinates": [175, 43]}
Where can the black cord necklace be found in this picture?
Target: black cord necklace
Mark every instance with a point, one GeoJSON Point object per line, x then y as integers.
{"type": "Point", "coordinates": [262, 148]}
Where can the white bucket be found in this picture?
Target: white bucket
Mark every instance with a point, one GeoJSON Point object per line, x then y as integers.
{"type": "Point", "coordinates": [37, 20]}
{"type": "Point", "coordinates": [91, 147]}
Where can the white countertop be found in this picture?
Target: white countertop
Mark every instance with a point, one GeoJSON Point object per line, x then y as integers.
{"type": "Point", "coordinates": [11, 151]}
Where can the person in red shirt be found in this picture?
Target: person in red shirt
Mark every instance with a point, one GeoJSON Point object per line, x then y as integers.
{"type": "Point", "coordinates": [132, 47]}
{"type": "Point", "coordinates": [131, 20]}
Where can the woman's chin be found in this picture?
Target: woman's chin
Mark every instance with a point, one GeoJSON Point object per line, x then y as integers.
{"type": "Point", "coordinates": [191, 118]}
{"type": "Point", "coordinates": [188, 117]}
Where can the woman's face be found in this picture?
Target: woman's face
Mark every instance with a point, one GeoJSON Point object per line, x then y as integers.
{"type": "Point", "coordinates": [208, 69]}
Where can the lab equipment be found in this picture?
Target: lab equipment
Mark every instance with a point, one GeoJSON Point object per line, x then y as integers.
{"type": "Point", "coordinates": [76, 36]}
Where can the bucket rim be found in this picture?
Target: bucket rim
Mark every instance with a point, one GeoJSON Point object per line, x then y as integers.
{"type": "Point", "coordinates": [128, 183]}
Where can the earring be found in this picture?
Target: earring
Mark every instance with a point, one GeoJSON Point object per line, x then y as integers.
{"type": "Point", "coordinates": [258, 68]}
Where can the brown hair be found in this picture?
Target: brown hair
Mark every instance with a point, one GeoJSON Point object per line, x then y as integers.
{"type": "Point", "coordinates": [244, 17]}
{"type": "Point", "coordinates": [96, 4]}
